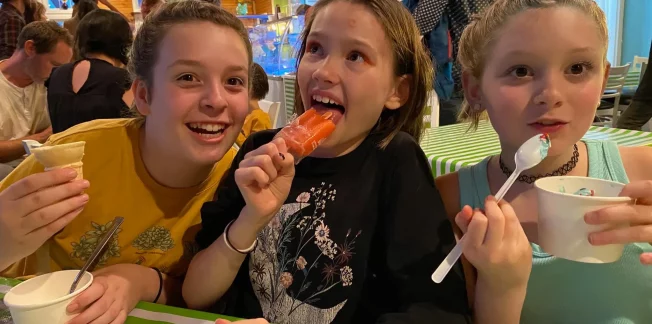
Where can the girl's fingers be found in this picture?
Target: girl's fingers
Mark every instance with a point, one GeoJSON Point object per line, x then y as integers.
{"type": "Point", "coordinates": [51, 213]}
{"type": "Point", "coordinates": [513, 229]}
{"type": "Point", "coordinates": [263, 162]}
{"type": "Point", "coordinates": [495, 224]}
{"type": "Point", "coordinates": [646, 258]}
{"type": "Point", "coordinates": [463, 218]}
{"type": "Point", "coordinates": [639, 190]}
{"type": "Point", "coordinates": [36, 182]}
{"type": "Point", "coordinates": [623, 235]}
{"type": "Point", "coordinates": [621, 214]}
{"type": "Point", "coordinates": [46, 232]}
{"type": "Point", "coordinates": [48, 196]}
{"type": "Point", "coordinates": [475, 235]}
{"type": "Point", "coordinates": [252, 177]}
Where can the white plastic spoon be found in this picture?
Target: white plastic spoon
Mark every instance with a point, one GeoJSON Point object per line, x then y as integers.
{"type": "Point", "coordinates": [531, 153]}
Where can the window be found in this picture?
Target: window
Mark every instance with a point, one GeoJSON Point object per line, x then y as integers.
{"type": "Point", "coordinates": [614, 10]}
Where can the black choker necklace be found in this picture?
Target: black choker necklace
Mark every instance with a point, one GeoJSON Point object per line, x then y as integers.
{"type": "Point", "coordinates": [530, 179]}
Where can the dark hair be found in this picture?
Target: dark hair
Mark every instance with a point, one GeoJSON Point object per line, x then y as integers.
{"type": "Point", "coordinates": [302, 9]}
{"type": "Point", "coordinates": [410, 58]}
{"type": "Point", "coordinates": [45, 35]}
{"type": "Point", "coordinates": [34, 11]}
{"type": "Point", "coordinates": [143, 55]}
{"type": "Point", "coordinates": [259, 83]}
{"type": "Point", "coordinates": [84, 7]}
{"type": "Point", "coordinates": [104, 32]}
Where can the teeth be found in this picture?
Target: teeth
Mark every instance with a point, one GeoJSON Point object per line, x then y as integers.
{"type": "Point", "coordinates": [325, 100]}
{"type": "Point", "coordinates": [207, 127]}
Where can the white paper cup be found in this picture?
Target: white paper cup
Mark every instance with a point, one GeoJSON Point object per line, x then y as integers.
{"type": "Point", "coordinates": [44, 299]}
{"type": "Point", "coordinates": [562, 229]}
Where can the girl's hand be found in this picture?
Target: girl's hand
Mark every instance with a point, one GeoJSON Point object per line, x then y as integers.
{"type": "Point", "coordinates": [494, 242]}
{"type": "Point", "coordinates": [638, 216]}
{"type": "Point", "coordinates": [33, 209]}
{"type": "Point", "coordinates": [251, 321]}
{"type": "Point", "coordinates": [115, 291]}
{"type": "Point", "coordinates": [264, 177]}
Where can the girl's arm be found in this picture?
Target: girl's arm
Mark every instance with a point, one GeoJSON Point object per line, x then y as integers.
{"type": "Point", "coordinates": [497, 306]}
{"type": "Point", "coordinates": [255, 189]}
{"type": "Point", "coordinates": [218, 265]}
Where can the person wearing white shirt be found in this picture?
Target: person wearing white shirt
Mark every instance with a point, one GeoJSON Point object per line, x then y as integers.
{"type": "Point", "coordinates": [42, 46]}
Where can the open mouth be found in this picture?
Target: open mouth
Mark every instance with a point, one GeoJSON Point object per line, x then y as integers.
{"type": "Point", "coordinates": [207, 130]}
{"type": "Point", "coordinates": [325, 104]}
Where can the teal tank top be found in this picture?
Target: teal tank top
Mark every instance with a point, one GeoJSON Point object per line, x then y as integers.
{"type": "Point", "coordinates": [562, 291]}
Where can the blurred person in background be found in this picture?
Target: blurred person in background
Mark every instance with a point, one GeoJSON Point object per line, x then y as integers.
{"type": "Point", "coordinates": [257, 119]}
{"type": "Point", "coordinates": [80, 9]}
{"type": "Point", "coordinates": [97, 86]}
{"type": "Point", "coordinates": [34, 11]}
{"type": "Point", "coordinates": [148, 6]}
{"type": "Point", "coordinates": [639, 111]}
{"type": "Point", "coordinates": [12, 21]}
{"type": "Point", "coordinates": [42, 45]}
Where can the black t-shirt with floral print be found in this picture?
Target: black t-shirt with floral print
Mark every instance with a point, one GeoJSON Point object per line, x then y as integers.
{"type": "Point", "coordinates": [355, 242]}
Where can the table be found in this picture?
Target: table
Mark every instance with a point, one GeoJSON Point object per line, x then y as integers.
{"type": "Point", "coordinates": [145, 313]}
{"type": "Point", "coordinates": [451, 147]}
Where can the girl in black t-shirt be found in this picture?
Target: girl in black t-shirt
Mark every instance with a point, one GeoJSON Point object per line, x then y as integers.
{"type": "Point", "coordinates": [352, 233]}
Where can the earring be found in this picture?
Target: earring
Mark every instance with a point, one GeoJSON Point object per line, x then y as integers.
{"type": "Point", "coordinates": [477, 107]}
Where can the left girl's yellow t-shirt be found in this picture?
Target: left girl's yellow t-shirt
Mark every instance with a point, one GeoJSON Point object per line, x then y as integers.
{"type": "Point", "coordinates": [159, 225]}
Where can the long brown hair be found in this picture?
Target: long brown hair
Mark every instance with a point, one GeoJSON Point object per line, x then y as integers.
{"type": "Point", "coordinates": [478, 37]}
{"type": "Point", "coordinates": [410, 58]}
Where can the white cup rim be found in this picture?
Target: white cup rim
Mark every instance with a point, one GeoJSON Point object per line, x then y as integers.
{"type": "Point", "coordinates": [48, 303]}
{"type": "Point", "coordinates": [538, 185]}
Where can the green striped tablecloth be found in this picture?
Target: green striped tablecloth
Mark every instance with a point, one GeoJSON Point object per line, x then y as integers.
{"type": "Point", "coordinates": [449, 148]}
{"type": "Point", "coordinates": [145, 313]}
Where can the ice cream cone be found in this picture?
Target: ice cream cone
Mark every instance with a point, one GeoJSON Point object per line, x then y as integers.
{"type": "Point", "coordinates": [61, 156]}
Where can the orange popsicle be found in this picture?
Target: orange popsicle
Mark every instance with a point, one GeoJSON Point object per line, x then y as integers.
{"type": "Point", "coordinates": [304, 134]}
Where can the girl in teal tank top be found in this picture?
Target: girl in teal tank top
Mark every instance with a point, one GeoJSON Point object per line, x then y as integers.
{"type": "Point", "coordinates": [539, 66]}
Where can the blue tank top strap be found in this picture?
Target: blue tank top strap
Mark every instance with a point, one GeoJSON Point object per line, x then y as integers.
{"type": "Point", "coordinates": [474, 185]}
{"type": "Point", "coordinates": [605, 161]}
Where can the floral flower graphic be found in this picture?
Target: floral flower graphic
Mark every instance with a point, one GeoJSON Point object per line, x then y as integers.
{"type": "Point", "coordinates": [286, 279]}
{"type": "Point", "coordinates": [303, 197]}
{"type": "Point", "coordinates": [301, 263]}
{"type": "Point", "coordinates": [346, 275]}
{"type": "Point", "coordinates": [322, 231]}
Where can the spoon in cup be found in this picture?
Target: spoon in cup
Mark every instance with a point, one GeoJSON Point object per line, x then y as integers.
{"type": "Point", "coordinates": [531, 153]}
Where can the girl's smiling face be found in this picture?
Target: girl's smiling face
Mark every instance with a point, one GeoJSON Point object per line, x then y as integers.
{"type": "Point", "coordinates": [545, 73]}
{"type": "Point", "coordinates": [199, 97]}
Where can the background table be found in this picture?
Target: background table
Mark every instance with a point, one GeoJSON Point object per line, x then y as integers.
{"type": "Point", "coordinates": [145, 313]}
{"type": "Point", "coordinates": [451, 147]}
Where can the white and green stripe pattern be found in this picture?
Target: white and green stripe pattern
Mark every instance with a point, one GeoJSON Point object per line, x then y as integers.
{"type": "Point", "coordinates": [450, 148]}
{"type": "Point", "coordinates": [145, 313]}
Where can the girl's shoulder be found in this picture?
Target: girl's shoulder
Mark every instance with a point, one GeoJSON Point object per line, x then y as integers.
{"type": "Point", "coordinates": [637, 161]}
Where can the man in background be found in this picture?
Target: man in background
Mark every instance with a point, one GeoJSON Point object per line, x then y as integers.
{"type": "Point", "coordinates": [42, 46]}
{"type": "Point", "coordinates": [12, 21]}
{"type": "Point", "coordinates": [639, 111]}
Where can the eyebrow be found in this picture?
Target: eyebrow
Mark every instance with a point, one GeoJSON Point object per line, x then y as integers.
{"type": "Point", "coordinates": [573, 51]}
{"type": "Point", "coordinates": [185, 62]}
{"type": "Point", "coordinates": [355, 41]}
{"type": "Point", "coordinates": [233, 68]}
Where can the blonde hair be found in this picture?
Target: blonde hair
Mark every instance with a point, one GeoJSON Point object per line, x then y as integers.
{"type": "Point", "coordinates": [479, 36]}
{"type": "Point", "coordinates": [410, 58]}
